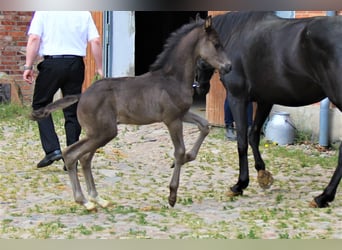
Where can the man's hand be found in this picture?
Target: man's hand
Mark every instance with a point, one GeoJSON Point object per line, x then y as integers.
{"type": "Point", "coordinates": [28, 76]}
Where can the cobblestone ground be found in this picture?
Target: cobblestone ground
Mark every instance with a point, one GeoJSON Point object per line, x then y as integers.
{"type": "Point", "coordinates": [133, 172]}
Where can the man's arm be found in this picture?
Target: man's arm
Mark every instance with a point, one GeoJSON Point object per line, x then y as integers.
{"type": "Point", "coordinates": [32, 48]}
{"type": "Point", "coordinates": [96, 50]}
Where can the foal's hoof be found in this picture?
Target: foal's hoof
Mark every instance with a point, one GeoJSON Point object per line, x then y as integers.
{"type": "Point", "coordinates": [90, 206]}
{"type": "Point", "coordinates": [172, 201]}
{"type": "Point", "coordinates": [102, 202]}
{"type": "Point", "coordinates": [265, 179]}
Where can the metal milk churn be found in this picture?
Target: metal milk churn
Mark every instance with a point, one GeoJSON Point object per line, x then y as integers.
{"type": "Point", "coordinates": [280, 129]}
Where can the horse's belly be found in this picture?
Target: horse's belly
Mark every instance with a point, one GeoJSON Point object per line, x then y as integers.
{"type": "Point", "coordinates": [289, 98]}
{"type": "Point", "coordinates": [138, 116]}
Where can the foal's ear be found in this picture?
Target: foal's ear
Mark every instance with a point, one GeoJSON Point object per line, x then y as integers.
{"type": "Point", "coordinates": [208, 23]}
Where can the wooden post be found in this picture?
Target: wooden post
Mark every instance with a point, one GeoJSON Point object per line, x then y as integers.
{"type": "Point", "coordinates": [217, 94]}
{"type": "Point", "coordinates": [89, 61]}
{"type": "Point", "coordinates": [215, 101]}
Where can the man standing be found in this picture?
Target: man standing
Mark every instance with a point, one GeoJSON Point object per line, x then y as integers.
{"type": "Point", "coordinates": [229, 120]}
{"type": "Point", "coordinates": [61, 38]}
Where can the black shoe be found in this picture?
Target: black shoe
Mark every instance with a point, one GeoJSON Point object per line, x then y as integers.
{"type": "Point", "coordinates": [50, 158]}
{"type": "Point", "coordinates": [230, 133]}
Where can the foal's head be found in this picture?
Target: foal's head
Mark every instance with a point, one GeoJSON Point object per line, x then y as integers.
{"type": "Point", "coordinates": [211, 50]}
{"type": "Point", "coordinates": [203, 74]}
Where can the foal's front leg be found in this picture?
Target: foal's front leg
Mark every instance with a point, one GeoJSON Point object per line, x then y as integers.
{"type": "Point", "coordinates": [203, 126]}
{"type": "Point", "coordinates": [176, 132]}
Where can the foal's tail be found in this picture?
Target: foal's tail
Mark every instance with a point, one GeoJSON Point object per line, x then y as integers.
{"type": "Point", "coordinates": [59, 104]}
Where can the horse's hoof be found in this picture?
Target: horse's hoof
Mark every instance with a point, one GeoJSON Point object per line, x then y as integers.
{"type": "Point", "coordinates": [230, 193]}
{"type": "Point", "coordinates": [90, 206]}
{"type": "Point", "coordinates": [172, 201]}
{"type": "Point", "coordinates": [265, 179]}
{"type": "Point", "coordinates": [313, 204]}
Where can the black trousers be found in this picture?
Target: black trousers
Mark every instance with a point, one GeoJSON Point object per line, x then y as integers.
{"type": "Point", "coordinates": [66, 74]}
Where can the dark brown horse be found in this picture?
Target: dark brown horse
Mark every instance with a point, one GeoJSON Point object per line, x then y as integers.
{"type": "Point", "coordinates": [164, 94]}
{"type": "Point", "coordinates": [291, 62]}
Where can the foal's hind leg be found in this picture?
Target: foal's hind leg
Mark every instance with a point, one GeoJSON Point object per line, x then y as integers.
{"type": "Point", "coordinates": [265, 178]}
{"type": "Point", "coordinates": [71, 155]}
{"type": "Point", "coordinates": [176, 132]}
{"type": "Point", "coordinates": [203, 126]}
{"type": "Point", "coordinates": [86, 168]}
{"type": "Point", "coordinates": [83, 150]}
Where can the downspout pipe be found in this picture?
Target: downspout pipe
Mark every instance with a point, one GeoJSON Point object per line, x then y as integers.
{"type": "Point", "coordinates": [324, 123]}
{"type": "Point", "coordinates": [324, 112]}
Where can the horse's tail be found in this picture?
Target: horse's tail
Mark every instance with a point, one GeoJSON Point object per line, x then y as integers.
{"type": "Point", "coordinates": [59, 104]}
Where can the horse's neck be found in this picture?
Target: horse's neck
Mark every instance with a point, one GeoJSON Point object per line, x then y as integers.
{"type": "Point", "coordinates": [186, 72]}
{"type": "Point", "coordinates": [184, 59]}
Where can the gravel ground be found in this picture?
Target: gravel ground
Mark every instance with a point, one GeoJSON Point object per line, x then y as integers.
{"type": "Point", "coordinates": [133, 172]}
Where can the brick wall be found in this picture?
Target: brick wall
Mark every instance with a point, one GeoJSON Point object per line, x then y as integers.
{"type": "Point", "coordinates": [302, 14]}
{"type": "Point", "coordinates": [13, 28]}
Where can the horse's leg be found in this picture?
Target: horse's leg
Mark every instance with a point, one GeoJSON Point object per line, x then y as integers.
{"type": "Point", "coordinates": [86, 168]}
{"type": "Point", "coordinates": [83, 150]}
{"type": "Point", "coordinates": [99, 139]}
{"type": "Point", "coordinates": [329, 192]}
{"type": "Point", "coordinates": [176, 132]}
{"type": "Point", "coordinates": [70, 156]}
{"type": "Point", "coordinates": [265, 178]}
{"type": "Point", "coordinates": [239, 111]}
{"type": "Point", "coordinates": [203, 126]}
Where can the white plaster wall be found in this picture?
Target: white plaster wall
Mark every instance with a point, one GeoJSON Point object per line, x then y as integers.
{"type": "Point", "coordinates": [123, 43]}
{"type": "Point", "coordinates": [306, 118]}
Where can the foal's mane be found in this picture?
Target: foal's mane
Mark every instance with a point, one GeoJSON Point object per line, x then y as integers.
{"type": "Point", "coordinates": [171, 43]}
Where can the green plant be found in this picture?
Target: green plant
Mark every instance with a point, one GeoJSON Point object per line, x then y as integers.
{"type": "Point", "coordinates": [302, 136]}
{"type": "Point", "coordinates": [284, 236]}
{"type": "Point", "coordinates": [141, 219]}
{"type": "Point", "coordinates": [13, 111]}
{"type": "Point", "coordinates": [84, 230]}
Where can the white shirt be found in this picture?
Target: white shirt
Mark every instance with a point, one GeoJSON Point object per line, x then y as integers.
{"type": "Point", "coordinates": [63, 32]}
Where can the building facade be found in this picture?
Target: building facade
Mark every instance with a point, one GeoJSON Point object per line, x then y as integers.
{"type": "Point", "coordinates": [131, 42]}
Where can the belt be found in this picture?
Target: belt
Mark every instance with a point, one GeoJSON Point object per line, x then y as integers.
{"type": "Point", "coordinates": [61, 56]}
